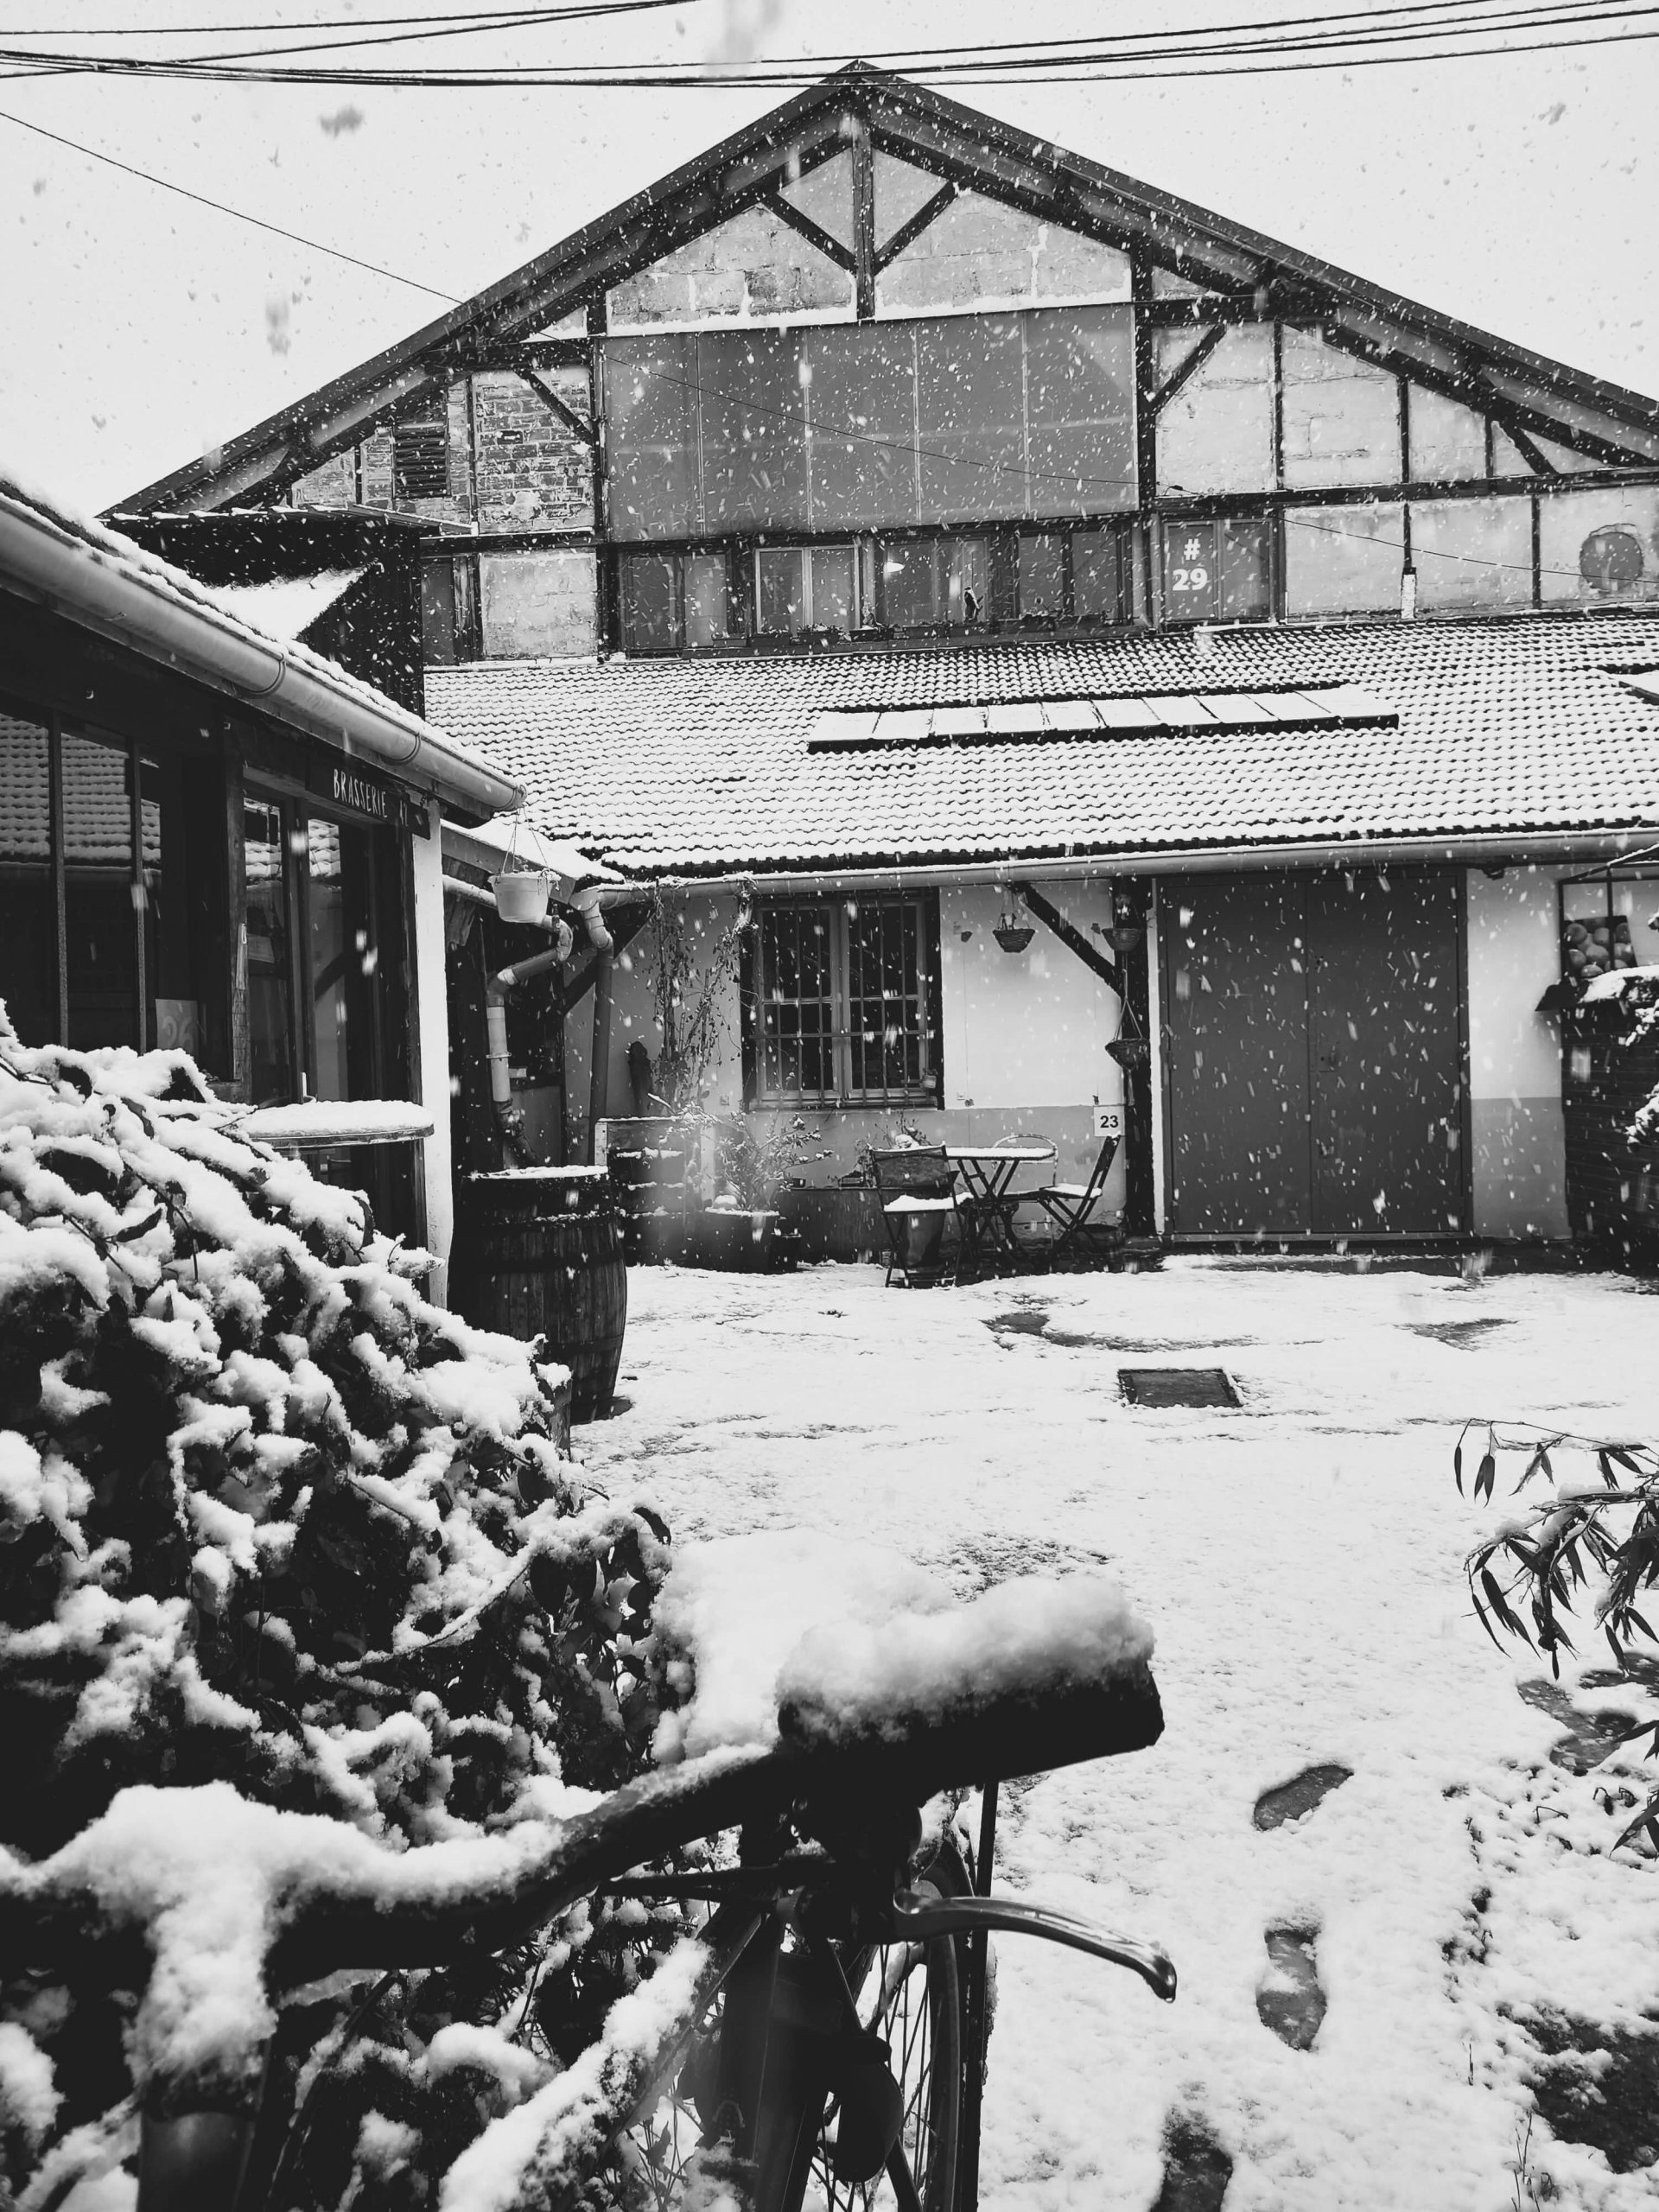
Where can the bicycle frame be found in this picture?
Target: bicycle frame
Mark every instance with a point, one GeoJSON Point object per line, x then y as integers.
{"type": "Point", "coordinates": [787, 2012]}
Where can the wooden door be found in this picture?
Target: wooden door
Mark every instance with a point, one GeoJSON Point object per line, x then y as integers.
{"type": "Point", "coordinates": [1385, 1054]}
{"type": "Point", "coordinates": [1313, 1055]}
{"type": "Point", "coordinates": [1235, 1027]}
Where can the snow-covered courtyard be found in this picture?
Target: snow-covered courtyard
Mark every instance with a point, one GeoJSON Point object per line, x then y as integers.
{"type": "Point", "coordinates": [1300, 1560]}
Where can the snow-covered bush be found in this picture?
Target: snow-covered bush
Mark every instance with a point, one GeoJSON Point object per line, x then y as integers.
{"type": "Point", "coordinates": [267, 1517]}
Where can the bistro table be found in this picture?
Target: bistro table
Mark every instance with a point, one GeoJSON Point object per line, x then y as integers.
{"type": "Point", "coordinates": [987, 1171]}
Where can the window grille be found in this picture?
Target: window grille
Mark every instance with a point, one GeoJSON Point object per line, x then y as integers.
{"type": "Point", "coordinates": [845, 1001]}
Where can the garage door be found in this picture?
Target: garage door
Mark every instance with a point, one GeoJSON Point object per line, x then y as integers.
{"type": "Point", "coordinates": [1314, 1054]}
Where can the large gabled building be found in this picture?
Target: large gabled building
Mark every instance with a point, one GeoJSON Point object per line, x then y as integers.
{"type": "Point", "coordinates": [919, 524]}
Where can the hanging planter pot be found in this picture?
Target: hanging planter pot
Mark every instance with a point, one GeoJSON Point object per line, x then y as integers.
{"type": "Point", "coordinates": [1012, 936]}
{"type": "Point", "coordinates": [1126, 937]}
{"type": "Point", "coordinates": [521, 894]}
{"type": "Point", "coordinates": [1130, 1051]}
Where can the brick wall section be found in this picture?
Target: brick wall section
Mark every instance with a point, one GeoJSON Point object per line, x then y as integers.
{"type": "Point", "coordinates": [532, 473]}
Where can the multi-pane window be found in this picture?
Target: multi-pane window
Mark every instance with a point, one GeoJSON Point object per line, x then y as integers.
{"type": "Point", "coordinates": [844, 992]}
{"type": "Point", "coordinates": [671, 601]}
{"type": "Point", "coordinates": [805, 587]}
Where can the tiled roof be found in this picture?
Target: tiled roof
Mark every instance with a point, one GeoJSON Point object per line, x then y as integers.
{"type": "Point", "coordinates": [1515, 725]}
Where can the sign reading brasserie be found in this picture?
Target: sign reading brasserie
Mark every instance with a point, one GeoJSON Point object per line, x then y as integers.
{"type": "Point", "coordinates": [346, 784]}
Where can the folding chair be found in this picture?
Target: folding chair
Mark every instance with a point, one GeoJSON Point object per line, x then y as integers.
{"type": "Point", "coordinates": [917, 1189]}
{"type": "Point", "coordinates": [1071, 1206]}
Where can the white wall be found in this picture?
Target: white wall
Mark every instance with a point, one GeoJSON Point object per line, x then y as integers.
{"type": "Point", "coordinates": [1023, 1046]}
{"type": "Point", "coordinates": [431, 1072]}
{"type": "Point", "coordinates": [1519, 1167]}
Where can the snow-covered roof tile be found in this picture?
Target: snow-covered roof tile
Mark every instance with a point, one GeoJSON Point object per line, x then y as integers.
{"type": "Point", "coordinates": [1358, 731]}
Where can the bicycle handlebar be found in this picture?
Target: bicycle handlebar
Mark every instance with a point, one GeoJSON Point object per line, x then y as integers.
{"type": "Point", "coordinates": [229, 1898]}
{"type": "Point", "coordinates": [918, 1919]}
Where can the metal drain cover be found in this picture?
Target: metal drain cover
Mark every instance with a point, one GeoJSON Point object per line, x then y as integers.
{"type": "Point", "coordinates": [1176, 1386]}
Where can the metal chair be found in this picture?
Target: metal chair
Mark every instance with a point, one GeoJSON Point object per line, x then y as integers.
{"type": "Point", "coordinates": [1070, 1207]}
{"type": "Point", "coordinates": [917, 1189]}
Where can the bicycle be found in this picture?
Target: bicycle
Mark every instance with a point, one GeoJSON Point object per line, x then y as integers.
{"type": "Point", "coordinates": [827, 2054]}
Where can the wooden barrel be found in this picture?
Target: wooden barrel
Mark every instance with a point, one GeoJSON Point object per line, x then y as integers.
{"type": "Point", "coordinates": [538, 1252]}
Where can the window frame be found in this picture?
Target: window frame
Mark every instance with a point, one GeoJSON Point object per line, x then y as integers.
{"type": "Point", "coordinates": [843, 1097]}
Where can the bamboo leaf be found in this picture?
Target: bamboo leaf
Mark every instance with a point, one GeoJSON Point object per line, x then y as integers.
{"type": "Point", "coordinates": [1487, 1479]}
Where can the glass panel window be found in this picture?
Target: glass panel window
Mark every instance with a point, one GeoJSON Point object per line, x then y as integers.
{"type": "Point", "coordinates": [801, 588]}
{"type": "Point", "coordinates": [270, 972]}
{"type": "Point", "coordinates": [101, 893]}
{"type": "Point", "coordinates": [886, 995]}
{"type": "Point", "coordinates": [843, 994]}
{"type": "Point", "coordinates": [935, 582]}
{"type": "Point", "coordinates": [862, 399]}
{"type": "Point", "coordinates": [970, 417]}
{"type": "Point", "coordinates": [28, 977]}
{"type": "Point", "coordinates": [1042, 577]}
{"type": "Point", "coordinates": [1080, 402]}
{"type": "Point", "coordinates": [796, 1003]}
{"type": "Point", "coordinates": [651, 423]}
{"type": "Point", "coordinates": [1098, 575]}
{"type": "Point", "coordinates": [780, 590]}
{"type": "Point", "coordinates": [708, 599]}
{"type": "Point", "coordinates": [753, 447]}
{"type": "Point", "coordinates": [652, 621]}
{"type": "Point", "coordinates": [1217, 570]}
{"type": "Point", "coordinates": [834, 599]}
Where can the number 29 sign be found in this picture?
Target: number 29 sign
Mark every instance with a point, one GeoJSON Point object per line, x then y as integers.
{"type": "Point", "coordinates": [1192, 583]}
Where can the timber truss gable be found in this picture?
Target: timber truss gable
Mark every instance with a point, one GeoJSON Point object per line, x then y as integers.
{"type": "Point", "coordinates": [1189, 271]}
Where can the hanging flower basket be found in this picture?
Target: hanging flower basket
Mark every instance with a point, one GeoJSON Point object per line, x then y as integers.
{"type": "Point", "coordinates": [1126, 937]}
{"type": "Point", "coordinates": [521, 894]}
{"type": "Point", "coordinates": [1013, 936]}
{"type": "Point", "coordinates": [1130, 1051]}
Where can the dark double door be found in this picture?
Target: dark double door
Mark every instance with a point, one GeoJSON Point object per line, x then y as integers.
{"type": "Point", "coordinates": [1314, 1054]}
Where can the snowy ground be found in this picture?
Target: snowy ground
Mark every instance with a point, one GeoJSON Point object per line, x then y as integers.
{"type": "Point", "coordinates": [1300, 1560]}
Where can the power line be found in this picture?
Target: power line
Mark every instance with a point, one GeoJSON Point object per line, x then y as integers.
{"type": "Point", "coordinates": [1217, 49]}
{"type": "Point", "coordinates": [752, 405]}
{"type": "Point", "coordinates": [239, 214]}
{"type": "Point", "coordinates": [504, 18]}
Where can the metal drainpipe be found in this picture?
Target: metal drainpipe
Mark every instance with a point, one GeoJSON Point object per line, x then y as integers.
{"type": "Point", "coordinates": [602, 1067]}
{"type": "Point", "coordinates": [495, 1012]}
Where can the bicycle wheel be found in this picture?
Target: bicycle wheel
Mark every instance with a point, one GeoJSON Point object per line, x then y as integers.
{"type": "Point", "coordinates": [913, 1997]}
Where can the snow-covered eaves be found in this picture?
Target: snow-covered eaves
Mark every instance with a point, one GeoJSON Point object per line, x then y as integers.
{"type": "Point", "coordinates": [109, 586]}
{"type": "Point", "coordinates": [1472, 734]}
{"type": "Point", "coordinates": [286, 606]}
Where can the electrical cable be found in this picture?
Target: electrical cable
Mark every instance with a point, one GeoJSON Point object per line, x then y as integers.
{"type": "Point", "coordinates": [218, 206]}
{"type": "Point", "coordinates": [910, 448]}
{"type": "Point", "coordinates": [1215, 48]}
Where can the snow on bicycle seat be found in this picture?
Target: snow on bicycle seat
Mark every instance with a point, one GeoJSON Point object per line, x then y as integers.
{"type": "Point", "coordinates": [856, 1656]}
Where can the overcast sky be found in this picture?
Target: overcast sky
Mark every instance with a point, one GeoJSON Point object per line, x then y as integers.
{"type": "Point", "coordinates": [1517, 193]}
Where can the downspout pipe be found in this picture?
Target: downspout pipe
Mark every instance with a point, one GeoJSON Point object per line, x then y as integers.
{"type": "Point", "coordinates": [495, 1010]}
{"type": "Point", "coordinates": [587, 904]}
{"type": "Point", "coordinates": [103, 583]}
{"type": "Point", "coordinates": [599, 1085]}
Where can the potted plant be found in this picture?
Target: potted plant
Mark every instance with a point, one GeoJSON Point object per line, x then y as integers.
{"type": "Point", "coordinates": [743, 1228]}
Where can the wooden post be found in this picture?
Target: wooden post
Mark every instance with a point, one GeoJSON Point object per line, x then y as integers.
{"type": "Point", "coordinates": [58, 841]}
{"type": "Point", "coordinates": [864, 262]}
{"type": "Point", "coordinates": [1139, 1214]}
{"type": "Point", "coordinates": [140, 894]}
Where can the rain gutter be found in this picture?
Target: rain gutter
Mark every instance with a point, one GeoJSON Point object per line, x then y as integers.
{"type": "Point", "coordinates": [1485, 849]}
{"type": "Point", "coordinates": [91, 586]}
